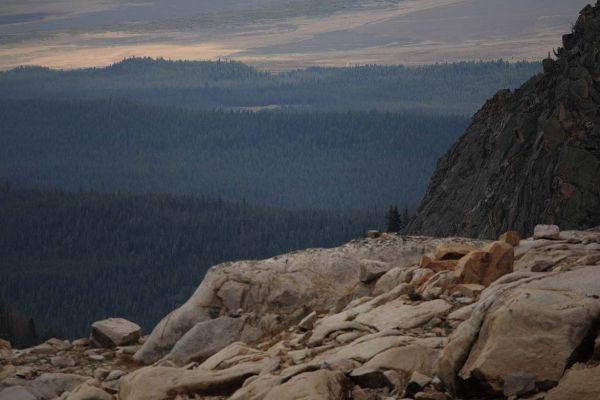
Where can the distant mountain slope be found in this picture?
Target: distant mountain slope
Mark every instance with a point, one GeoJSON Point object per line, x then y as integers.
{"type": "Point", "coordinates": [292, 159]}
{"type": "Point", "coordinates": [530, 156]}
{"type": "Point", "coordinates": [71, 258]}
{"type": "Point", "coordinates": [434, 89]}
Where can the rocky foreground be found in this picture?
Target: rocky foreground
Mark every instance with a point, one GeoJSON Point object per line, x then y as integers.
{"type": "Point", "coordinates": [387, 317]}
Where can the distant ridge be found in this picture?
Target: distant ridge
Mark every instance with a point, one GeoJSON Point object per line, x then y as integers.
{"type": "Point", "coordinates": [456, 88]}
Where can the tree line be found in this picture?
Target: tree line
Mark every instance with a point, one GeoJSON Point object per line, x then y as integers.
{"type": "Point", "coordinates": [70, 258]}
{"type": "Point", "coordinates": [330, 160]}
{"type": "Point", "coordinates": [458, 88]}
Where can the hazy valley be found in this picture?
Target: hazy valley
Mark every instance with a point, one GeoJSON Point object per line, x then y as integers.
{"type": "Point", "coordinates": [291, 227]}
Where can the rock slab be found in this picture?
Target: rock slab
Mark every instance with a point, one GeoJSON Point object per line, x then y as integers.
{"type": "Point", "coordinates": [113, 332]}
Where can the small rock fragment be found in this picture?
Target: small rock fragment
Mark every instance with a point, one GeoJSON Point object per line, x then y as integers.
{"type": "Point", "coordinates": [546, 232]}
{"type": "Point", "coordinates": [58, 344]}
{"type": "Point", "coordinates": [431, 396]}
{"type": "Point", "coordinates": [96, 357]}
{"type": "Point", "coordinates": [416, 383]}
{"type": "Point", "coordinates": [397, 380]}
{"type": "Point", "coordinates": [101, 373]}
{"type": "Point", "coordinates": [115, 374]}
{"type": "Point", "coordinates": [25, 372]}
{"type": "Point", "coordinates": [43, 348]}
{"type": "Point", "coordinates": [82, 342]}
{"type": "Point", "coordinates": [62, 362]}
{"type": "Point", "coordinates": [114, 332]}
{"type": "Point", "coordinates": [472, 290]}
{"type": "Point", "coordinates": [371, 270]}
{"type": "Point", "coordinates": [308, 322]}
{"type": "Point", "coordinates": [5, 345]}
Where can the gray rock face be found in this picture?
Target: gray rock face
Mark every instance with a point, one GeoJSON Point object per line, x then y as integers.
{"type": "Point", "coordinates": [530, 156]}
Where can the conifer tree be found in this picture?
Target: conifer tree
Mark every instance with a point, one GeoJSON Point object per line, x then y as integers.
{"type": "Point", "coordinates": [394, 223]}
{"type": "Point", "coordinates": [405, 217]}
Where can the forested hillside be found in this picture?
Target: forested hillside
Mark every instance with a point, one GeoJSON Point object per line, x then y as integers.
{"type": "Point", "coordinates": [336, 160]}
{"type": "Point", "coordinates": [348, 140]}
{"type": "Point", "coordinates": [435, 89]}
{"type": "Point", "coordinates": [71, 258]}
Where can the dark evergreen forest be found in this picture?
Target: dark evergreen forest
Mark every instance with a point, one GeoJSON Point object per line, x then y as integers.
{"type": "Point", "coordinates": [333, 160]}
{"type": "Point", "coordinates": [68, 259]}
{"type": "Point", "coordinates": [307, 158]}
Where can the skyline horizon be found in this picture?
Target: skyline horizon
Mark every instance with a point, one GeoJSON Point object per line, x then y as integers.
{"type": "Point", "coordinates": [281, 35]}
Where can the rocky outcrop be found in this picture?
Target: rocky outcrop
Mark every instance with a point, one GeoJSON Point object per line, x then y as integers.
{"type": "Point", "coordinates": [530, 156]}
{"type": "Point", "coordinates": [411, 332]}
{"type": "Point", "coordinates": [273, 294]}
{"type": "Point", "coordinates": [543, 326]}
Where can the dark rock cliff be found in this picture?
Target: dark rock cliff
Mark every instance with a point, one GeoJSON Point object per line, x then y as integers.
{"type": "Point", "coordinates": [530, 156]}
